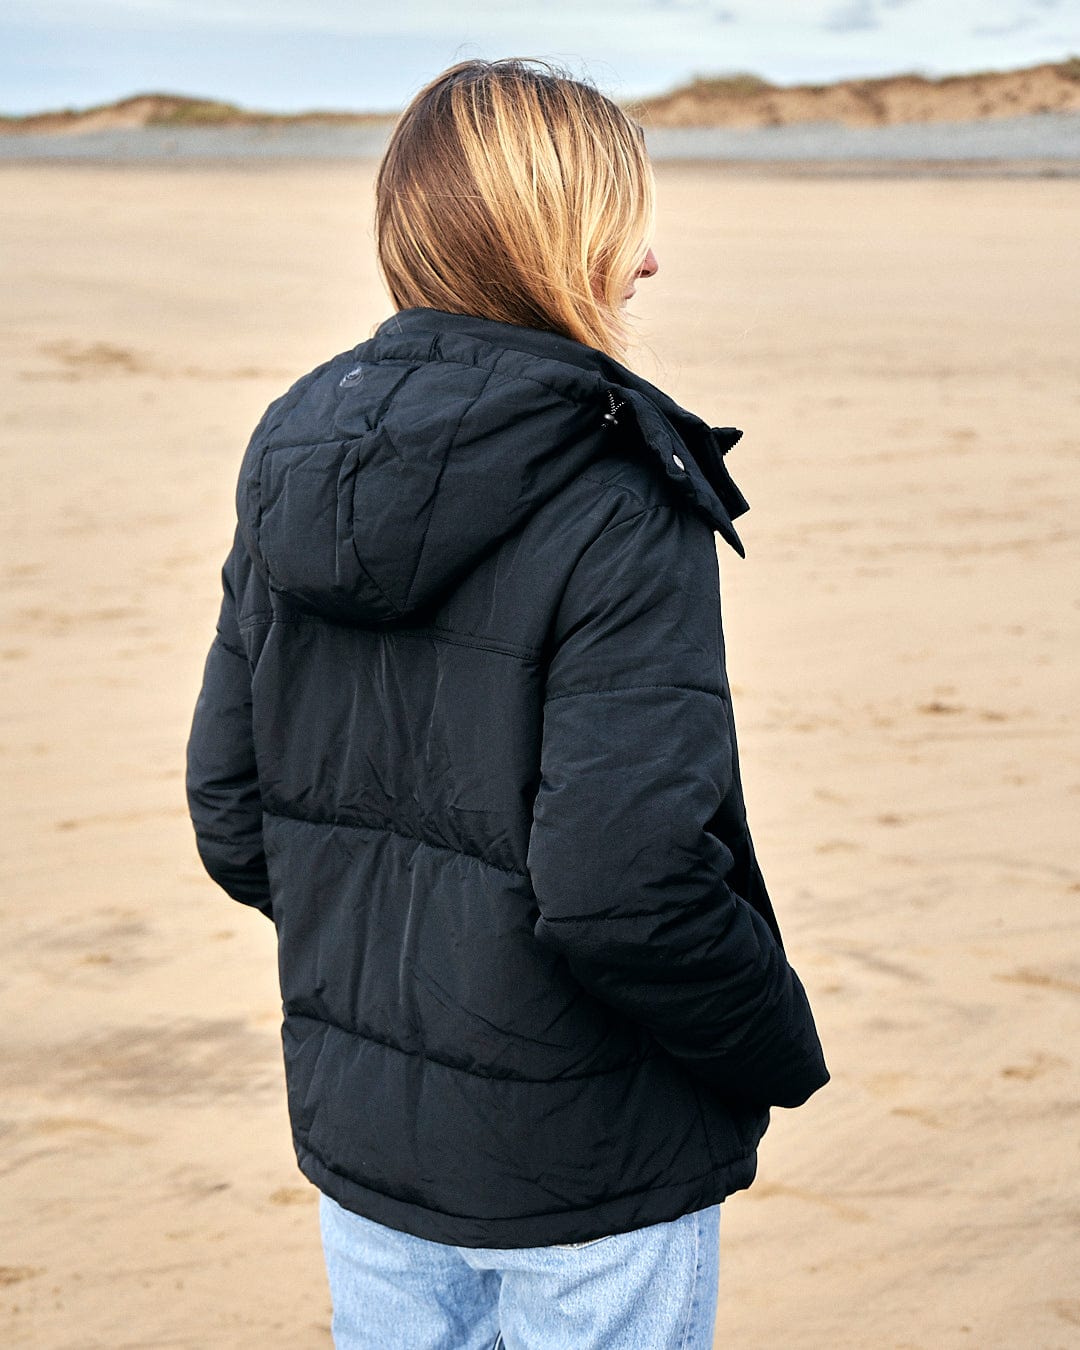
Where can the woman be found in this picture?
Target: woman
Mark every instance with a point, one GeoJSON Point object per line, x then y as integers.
{"type": "Point", "coordinates": [465, 737]}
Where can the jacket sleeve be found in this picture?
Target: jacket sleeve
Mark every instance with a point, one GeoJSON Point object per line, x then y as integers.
{"type": "Point", "coordinates": [638, 755]}
{"type": "Point", "coordinates": [222, 782]}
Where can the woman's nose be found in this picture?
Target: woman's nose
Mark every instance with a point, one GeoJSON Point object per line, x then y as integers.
{"type": "Point", "coordinates": [650, 266]}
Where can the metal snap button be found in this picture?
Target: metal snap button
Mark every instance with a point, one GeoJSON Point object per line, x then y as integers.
{"type": "Point", "coordinates": [351, 377]}
{"type": "Point", "coordinates": [678, 463]}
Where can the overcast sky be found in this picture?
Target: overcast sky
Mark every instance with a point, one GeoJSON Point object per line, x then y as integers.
{"type": "Point", "coordinates": [293, 54]}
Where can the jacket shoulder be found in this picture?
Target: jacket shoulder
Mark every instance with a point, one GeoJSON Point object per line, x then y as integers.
{"type": "Point", "coordinates": [619, 487]}
{"type": "Point", "coordinates": [628, 484]}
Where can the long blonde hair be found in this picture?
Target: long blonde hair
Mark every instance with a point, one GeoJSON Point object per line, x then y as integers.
{"type": "Point", "coordinates": [513, 192]}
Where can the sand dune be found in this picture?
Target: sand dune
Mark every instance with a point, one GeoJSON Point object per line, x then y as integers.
{"type": "Point", "coordinates": [175, 111]}
{"type": "Point", "coordinates": [721, 101]}
{"type": "Point", "coordinates": [746, 101]}
{"type": "Point", "coordinates": [903, 638]}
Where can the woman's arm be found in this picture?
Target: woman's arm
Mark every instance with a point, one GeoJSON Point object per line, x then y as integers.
{"type": "Point", "coordinates": [638, 755]}
{"type": "Point", "coordinates": [222, 782]}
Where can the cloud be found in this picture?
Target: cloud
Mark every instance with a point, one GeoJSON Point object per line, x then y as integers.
{"type": "Point", "coordinates": [1016, 25]}
{"type": "Point", "coordinates": [718, 13]}
{"type": "Point", "coordinates": [858, 16]}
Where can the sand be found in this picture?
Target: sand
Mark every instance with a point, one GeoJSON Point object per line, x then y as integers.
{"type": "Point", "coordinates": [903, 638]}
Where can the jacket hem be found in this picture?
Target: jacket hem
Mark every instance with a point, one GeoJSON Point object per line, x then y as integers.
{"type": "Point", "coordinates": [620, 1214]}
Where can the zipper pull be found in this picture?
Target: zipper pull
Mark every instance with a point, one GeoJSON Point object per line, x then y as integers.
{"type": "Point", "coordinates": [609, 417]}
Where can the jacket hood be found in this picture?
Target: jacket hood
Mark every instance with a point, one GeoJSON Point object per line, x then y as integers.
{"type": "Point", "coordinates": [381, 478]}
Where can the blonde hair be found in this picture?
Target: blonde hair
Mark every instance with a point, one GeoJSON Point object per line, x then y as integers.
{"type": "Point", "coordinates": [513, 192]}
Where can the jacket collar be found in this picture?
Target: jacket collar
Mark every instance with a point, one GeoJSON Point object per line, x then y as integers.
{"type": "Point", "coordinates": [676, 436]}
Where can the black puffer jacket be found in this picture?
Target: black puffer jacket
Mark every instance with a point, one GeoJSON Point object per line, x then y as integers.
{"type": "Point", "coordinates": [465, 735]}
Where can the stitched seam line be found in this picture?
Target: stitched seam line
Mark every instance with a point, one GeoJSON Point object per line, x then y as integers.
{"type": "Point", "coordinates": [230, 841]}
{"type": "Point", "coordinates": [395, 609]}
{"type": "Point", "coordinates": [615, 486]}
{"type": "Point", "coordinates": [435, 486]}
{"type": "Point", "coordinates": [433, 633]}
{"type": "Point", "coordinates": [617, 525]}
{"type": "Point", "coordinates": [477, 1218]}
{"type": "Point", "coordinates": [416, 363]}
{"type": "Point", "coordinates": [460, 1068]}
{"type": "Point", "coordinates": [467, 640]}
{"type": "Point", "coordinates": [265, 620]}
{"type": "Point", "coordinates": [623, 688]}
{"type": "Point", "coordinates": [437, 355]}
{"type": "Point", "coordinates": [332, 443]}
{"type": "Point", "coordinates": [233, 651]}
{"type": "Point", "coordinates": [385, 829]}
{"type": "Point", "coordinates": [628, 520]}
{"type": "Point", "coordinates": [696, 1089]}
{"type": "Point", "coordinates": [694, 1286]}
{"type": "Point", "coordinates": [293, 396]}
{"type": "Point", "coordinates": [289, 401]}
{"type": "Point", "coordinates": [604, 918]}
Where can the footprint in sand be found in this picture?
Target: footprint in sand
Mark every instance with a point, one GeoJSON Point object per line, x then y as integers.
{"type": "Point", "coordinates": [1068, 1309]}
{"type": "Point", "coordinates": [292, 1195]}
{"type": "Point", "coordinates": [1040, 979]}
{"type": "Point", "coordinates": [94, 358]}
{"type": "Point", "coordinates": [16, 1274]}
{"type": "Point", "coordinates": [921, 1114]}
{"type": "Point", "coordinates": [765, 1190]}
{"type": "Point", "coordinates": [87, 1125]}
{"type": "Point", "coordinates": [81, 1133]}
{"type": "Point", "coordinates": [889, 1083]}
{"type": "Point", "coordinates": [1038, 1065]}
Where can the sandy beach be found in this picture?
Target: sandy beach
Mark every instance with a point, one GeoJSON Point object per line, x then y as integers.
{"type": "Point", "coordinates": [903, 638]}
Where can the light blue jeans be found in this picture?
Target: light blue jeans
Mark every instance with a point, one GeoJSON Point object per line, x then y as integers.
{"type": "Point", "coordinates": [654, 1288]}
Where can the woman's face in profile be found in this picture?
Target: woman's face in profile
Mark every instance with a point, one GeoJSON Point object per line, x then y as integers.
{"type": "Point", "coordinates": [648, 268]}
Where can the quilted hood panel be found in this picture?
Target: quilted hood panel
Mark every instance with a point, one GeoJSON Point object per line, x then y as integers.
{"type": "Point", "coordinates": [385, 475]}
